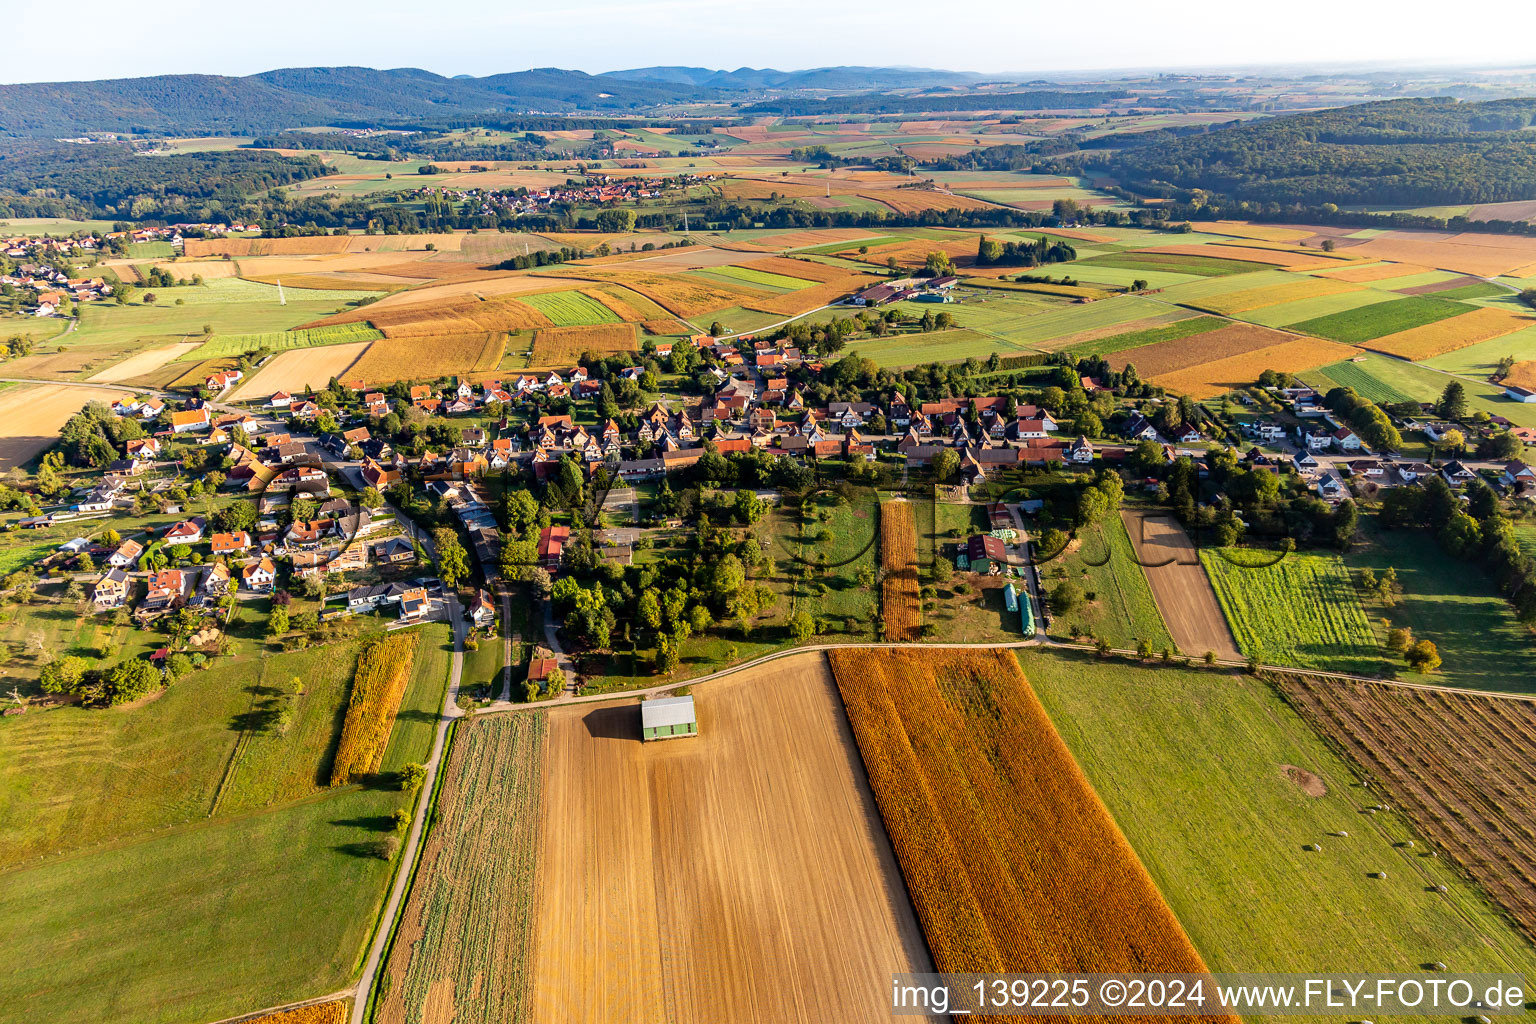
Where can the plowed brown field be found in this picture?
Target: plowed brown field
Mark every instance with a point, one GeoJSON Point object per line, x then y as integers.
{"type": "Point", "coordinates": [1168, 356]}
{"type": "Point", "coordinates": [1459, 766]}
{"type": "Point", "coordinates": [740, 875]}
{"type": "Point", "coordinates": [1179, 585]}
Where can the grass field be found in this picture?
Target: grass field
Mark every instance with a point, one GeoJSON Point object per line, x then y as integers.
{"type": "Point", "coordinates": [952, 346]}
{"type": "Point", "coordinates": [465, 935]}
{"type": "Point", "coordinates": [748, 275]}
{"type": "Point", "coordinates": [153, 903]}
{"type": "Point", "coordinates": [1150, 336]}
{"type": "Point", "coordinates": [742, 867]}
{"type": "Point", "coordinates": [1369, 322]}
{"type": "Point", "coordinates": [1223, 835]}
{"type": "Point", "coordinates": [1483, 358]}
{"type": "Point", "coordinates": [1286, 313]}
{"type": "Point", "coordinates": [1452, 603]}
{"type": "Point", "coordinates": [1303, 611]}
{"type": "Point", "coordinates": [1353, 375]}
{"type": "Point", "coordinates": [570, 309]}
{"type": "Point", "coordinates": [1009, 855]}
{"type": "Point", "coordinates": [1117, 604]}
{"type": "Point", "coordinates": [1425, 385]}
{"type": "Point", "coordinates": [1199, 266]}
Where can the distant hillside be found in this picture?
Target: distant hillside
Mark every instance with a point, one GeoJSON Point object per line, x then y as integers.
{"type": "Point", "coordinates": [1050, 99]}
{"type": "Point", "coordinates": [836, 79]}
{"type": "Point", "coordinates": [1415, 152]}
{"type": "Point", "coordinates": [292, 97]}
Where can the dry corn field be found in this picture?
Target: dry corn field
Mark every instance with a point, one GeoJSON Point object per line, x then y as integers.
{"type": "Point", "coordinates": [912, 200]}
{"type": "Point", "coordinates": [463, 952]}
{"type": "Point", "coordinates": [1013, 862]}
{"type": "Point", "coordinates": [392, 359]}
{"type": "Point", "coordinates": [900, 599]}
{"type": "Point", "coordinates": [333, 1012]}
{"type": "Point", "coordinates": [383, 670]}
{"type": "Point", "coordinates": [739, 875]}
{"type": "Point", "coordinates": [1458, 766]}
{"type": "Point", "coordinates": [1449, 335]}
{"type": "Point", "coordinates": [556, 347]}
{"type": "Point", "coordinates": [1222, 375]}
{"type": "Point", "coordinates": [1522, 375]}
{"type": "Point", "coordinates": [456, 316]}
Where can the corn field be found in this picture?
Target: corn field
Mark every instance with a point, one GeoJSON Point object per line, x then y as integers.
{"type": "Point", "coordinates": [464, 949]}
{"type": "Point", "coordinates": [383, 670]}
{"type": "Point", "coordinates": [900, 599]}
{"type": "Point", "coordinates": [1011, 860]}
{"type": "Point", "coordinates": [333, 1012]}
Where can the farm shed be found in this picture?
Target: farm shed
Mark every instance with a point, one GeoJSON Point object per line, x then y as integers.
{"type": "Point", "coordinates": [668, 718]}
{"type": "Point", "coordinates": [983, 554]}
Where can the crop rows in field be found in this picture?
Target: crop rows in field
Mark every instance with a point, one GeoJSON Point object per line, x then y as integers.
{"type": "Point", "coordinates": [563, 346]}
{"type": "Point", "coordinates": [753, 276]}
{"type": "Point", "coordinates": [570, 309]}
{"type": "Point", "coordinates": [900, 602]}
{"type": "Point", "coordinates": [1221, 375]}
{"type": "Point", "coordinates": [463, 951]}
{"type": "Point", "coordinates": [1300, 287]}
{"type": "Point", "coordinates": [392, 359]}
{"type": "Point", "coordinates": [1450, 334]}
{"type": "Point", "coordinates": [1012, 861]}
{"type": "Point", "coordinates": [1459, 767]}
{"type": "Point", "coordinates": [1201, 266]}
{"type": "Point", "coordinates": [1302, 611]}
{"type": "Point", "coordinates": [222, 346]}
{"type": "Point", "coordinates": [332, 1012]}
{"type": "Point", "coordinates": [1353, 375]}
{"type": "Point", "coordinates": [1367, 322]}
{"type": "Point", "coordinates": [383, 670]}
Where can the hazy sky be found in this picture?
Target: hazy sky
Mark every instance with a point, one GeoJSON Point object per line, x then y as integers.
{"type": "Point", "coordinates": [104, 39]}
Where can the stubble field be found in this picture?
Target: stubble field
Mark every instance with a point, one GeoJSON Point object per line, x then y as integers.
{"type": "Point", "coordinates": [740, 875]}
{"type": "Point", "coordinates": [1180, 586]}
{"type": "Point", "coordinates": [299, 369]}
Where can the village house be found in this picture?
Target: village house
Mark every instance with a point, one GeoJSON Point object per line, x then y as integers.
{"type": "Point", "coordinates": [111, 590]}
{"type": "Point", "coordinates": [188, 531]}
{"type": "Point", "coordinates": [259, 576]}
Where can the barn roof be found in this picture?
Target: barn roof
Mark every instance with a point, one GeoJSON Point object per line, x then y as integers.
{"type": "Point", "coordinates": [658, 714]}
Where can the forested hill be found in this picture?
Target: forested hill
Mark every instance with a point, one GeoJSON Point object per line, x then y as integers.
{"type": "Point", "coordinates": [294, 97]}
{"type": "Point", "coordinates": [1414, 152]}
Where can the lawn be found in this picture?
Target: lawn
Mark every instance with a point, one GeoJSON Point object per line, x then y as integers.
{"type": "Point", "coordinates": [1367, 322]}
{"type": "Point", "coordinates": [1191, 764]}
{"type": "Point", "coordinates": [1303, 611]}
{"type": "Point", "coordinates": [915, 349]}
{"type": "Point", "coordinates": [1452, 603]}
{"type": "Point", "coordinates": [570, 309]}
{"type": "Point", "coordinates": [1117, 604]}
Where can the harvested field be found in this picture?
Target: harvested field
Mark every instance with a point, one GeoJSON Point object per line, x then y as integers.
{"type": "Point", "coordinates": [1273, 295]}
{"type": "Point", "coordinates": [801, 269]}
{"type": "Point", "coordinates": [1374, 272]}
{"type": "Point", "coordinates": [914, 252]}
{"type": "Point", "coordinates": [1180, 585]}
{"type": "Point", "coordinates": [1476, 254]}
{"type": "Point", "coordinates": [1522, 375]}
{"type": "Point", "coordinates": [1181, 352]}
{"type": "Point", "coordinates": [1247, 254]}
{"type": "Point", "coordinates": [1458, 766]}
{"type": "Point", "coordinates": [911, 200]}
{"type": "Point", "coordinates": [752, 277]}
{"type": "Point", "coordinates": [1263, 232]}
{"type": "Point", "coordinates": [392, 359]}
{"type": "Point", "coordinates": [1011, 858]}
{"type": "Point", "coordinates": [806, 299]}
{"type": "Point", "coordinates": [306, 245]}
{"type": "Point", "coordinates": [383, 670]}
{"type": "Point", "coordinates": [31, 415]}
{"type": "Point", "coordinates": [1454, 284]}
{"type": "Point", "coordinates": [1105, 341]}
{"type": "Point", "coordinates": [1448, 335]}
{"type": "Point", "coordinates": [460, 316]}
{"type": "Point", "coordinates": [562, 346]}
{"type": "Point", "coordinates": [463, 952]}
{"type": "Point", "coordinates": [678, 294]}
{"type": "Point", "coordinates": [140, 363]}
{"type": "Point", "coordinates": [299, 369]}
{"type": "Point", "coordinates": [1223, 375]}
{"type": "Point", "coordinates": [900, 603]}
{"type": "Point", "coordinates": [627, 305]}
{"type": "Point", "coordinates": [742, 874]}
{"type": "Point", "coordinates": [809, 239]}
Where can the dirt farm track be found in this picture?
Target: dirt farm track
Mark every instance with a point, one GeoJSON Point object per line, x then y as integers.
{"type": "Point", "coordinates": [1180, 587]}
{"type": "Point", "coordinates": [741, 875]}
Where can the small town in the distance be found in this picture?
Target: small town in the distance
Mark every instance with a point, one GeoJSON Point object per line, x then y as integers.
{"type": "Point", "coordinates": [680, 545]}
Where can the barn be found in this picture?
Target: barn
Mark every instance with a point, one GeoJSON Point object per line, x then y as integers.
{"type": "Point", "coordinates": [668, 718]}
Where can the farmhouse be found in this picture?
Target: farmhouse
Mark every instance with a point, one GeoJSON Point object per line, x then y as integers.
{"type": "Point", "coordinates": [668, 718]}
{"type": "Point", "coordinates": [191, 419]}
{"type": "Point", "coordinates": [983, 554]}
